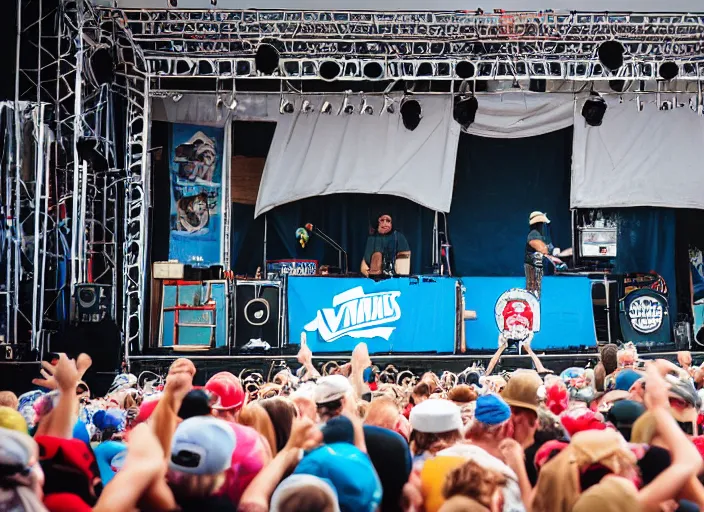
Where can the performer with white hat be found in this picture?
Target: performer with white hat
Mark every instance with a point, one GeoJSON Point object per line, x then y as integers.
{"type": "Point", "coordinates": [538, 247]}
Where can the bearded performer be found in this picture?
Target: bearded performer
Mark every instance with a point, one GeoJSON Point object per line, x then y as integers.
{"type": "Point", "coordinates": [387, 250]}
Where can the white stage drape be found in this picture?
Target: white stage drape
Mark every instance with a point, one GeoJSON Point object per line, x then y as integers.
{"type": "Point", "coordinates": [510, 115]}
{"type": "Point", "coordinates": [319, 154]}
{"type": "Point", "coordinates": [648, 158]}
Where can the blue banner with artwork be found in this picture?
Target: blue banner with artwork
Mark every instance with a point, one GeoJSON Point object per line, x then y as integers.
{"type": "Point", "coordinates": [195, 170]}
{"type": "Point", "coordinates": [404, 314]}
{"type": "Point", "coordinates": [562, 320]}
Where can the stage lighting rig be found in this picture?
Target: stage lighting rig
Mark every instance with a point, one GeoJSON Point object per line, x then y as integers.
{"type": "Point", "coordinates": [329, 70]}
{"type": "Point", "coordinates": [611, 55]}
{"type": "Point", "coordinates": [389, 106]}
{"type": "Point", "coordinates": [668, 70]}
{"type": "Point", "coordinates": [465, 110]}
{"type": "Point", "coordinates": [286, 106]}
{"type": "Point", "coordinates": [306, 108]}
{"type": "Point", "coordinates": [594, 109]}
{"type": "Point", "coordinates": [346, 107]}
{"type": "Point", "coordinates": [366, 107]}
{"type": "Point", "coordinates": [411, 113]}
{"type": "Point", "coordinates": [326, 108]}
{"type": "Point", "coordinates": [266, 59]}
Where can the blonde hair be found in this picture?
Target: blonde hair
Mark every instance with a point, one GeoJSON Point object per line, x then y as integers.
{"type": "Point", "coordinates": [383, 412]}
{"type": "Point", "coordinates": [185, 485]}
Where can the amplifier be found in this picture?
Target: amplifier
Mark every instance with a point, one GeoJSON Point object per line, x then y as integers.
{"type": "Point", "coordinates": [292, 267]}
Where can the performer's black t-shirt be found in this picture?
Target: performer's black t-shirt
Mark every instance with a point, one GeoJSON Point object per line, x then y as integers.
{"type": "Point", "coordinates": [388, 245]}
{"type": "Point", "coordinates": [534, 235]}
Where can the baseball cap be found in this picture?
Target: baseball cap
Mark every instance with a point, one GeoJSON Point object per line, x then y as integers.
{"type": "Point", "coordinates": [491, 410]}
{"type": "Point", "coordinates": [331, 388]}
{"type": "Point", "coordinates": [250, 455]}
{"type": "Point", "coordinates": [626, 378]}
{"type": "Point", "coordinates": [69, 467]}
{"type": "Point", "coordinates": [109, 455]}
{"type": "Point", "coordinates": [202, 446]}
{"type": "Point", "coordinates": [350, 472]}
{"type": "Point", "coordinates": [229, 390]}
{"type": "Point", "coordinates": [338, 430]}
{"type": "Point", "coordinates": [623, 414]}
{"type": "Point", "coordinates": [435, 416]}
{"type": "Point", "coordinates": [536, 217]}
{"type": "Point", "coordinates": [16, 448]}
{"type": "Point", "coordinates": [523, 390]}
{"type": "Point", "coordinates": [12, 419]}
{"type": "Point", "coordinates": [296, 483]}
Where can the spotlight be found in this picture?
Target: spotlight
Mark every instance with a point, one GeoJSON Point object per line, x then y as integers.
{"type": "Point", "coordinates": [411, 113]}
{"type": "Point", "coordinates": [611, 55]}
{"type": "Point", "coordinates": [465, 110]}
{"type": "Point", "coordinates": [366, 108]}
{"type": "Point", "coordinates": [537, 85]}
{"type": "Point", "coordinates": [329, 70]}
{"type": "Point", "coordinates": [618, 85]}
{"type": "Point", "coordinates": [464, 70]}
{"type": "Point", "coordinates": [425, 69]}
{"type": "Point", "coordinates": [177, 97]}
{"type": "Point", "coordinates": [346, 107]}
{"type": "Point", "coordinates": [326, 108]}
{"type": "Point", "coordinates": [668, 70]}
{"type": "Point", "coordinates": [213, 2]}
{"type": "Point", "coordinates": [389, 107]}
{"type": "Point", "coordinates": [286, 106]}
{"type": "Point", "coordinates": [373, 70]}
{"type": "Point", "coordinates": [594, 109]}
{"type": "Point", "coordinates": [172, 3]}
{"type": "Point", "coordinates": [306, 108]}
{"type": "Point", "coordinates": [266, 59]}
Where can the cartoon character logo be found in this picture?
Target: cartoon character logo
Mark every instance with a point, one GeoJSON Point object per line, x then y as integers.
{"type": "Point", "coordinates": [517, 314]}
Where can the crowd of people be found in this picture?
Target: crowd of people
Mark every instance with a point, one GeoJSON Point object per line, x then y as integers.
{"type": "Point", "coordinates": [624, 435]}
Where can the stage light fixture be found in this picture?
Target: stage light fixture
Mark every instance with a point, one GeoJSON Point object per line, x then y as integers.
{"type": "Point", "coordinates": [618, 85]}
{"type": "Point", "coordinates": [329, 70]}
{"type": "Point", "coordinates": [668, 70]}
{"type": "Point", "coordinates": [464, 70]}
{"type": "Point", "coordinates": [373, 70]}
{"type": "Point", "coordinates": [213, 2]}
{"type": "Point", "coordinates": [366, 108]}
{"type": "Point", "coordinates": [176, 97]}
{"type": "Point", "coordinates": [172, 3]}
{"type": "Point", "coordinates": [233, 103]}
{"type": "Point", "coordinates": [266, 59]}
{"type": "Point", "coordinates": [286, 106]}
{"type": "Point", "coordinates": [610, 55]}
{"type": "Point", "coordinates": [306, 108]}
{"type": "Point", "coordinates": [389, 107]}
{"type": "Point", "coordinates": [326, 108]}
{"type": "Point", "coordinates": [594, 109]}
{"type": "Point", "coordinates": [411, 113]}
{"type": "Point", "coordinates": [465, 110]}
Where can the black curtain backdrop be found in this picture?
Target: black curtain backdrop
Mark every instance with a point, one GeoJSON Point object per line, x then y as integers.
{"type": "Point", "coordinates": [498, 183]}
{"type": "Point", "coordinates": [346, 218]}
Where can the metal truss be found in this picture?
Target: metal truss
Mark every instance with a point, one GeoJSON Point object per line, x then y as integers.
{"type": "Point", "coordinates": [60, 202]}
{"type": "Point", "coordinates": [427, 45]}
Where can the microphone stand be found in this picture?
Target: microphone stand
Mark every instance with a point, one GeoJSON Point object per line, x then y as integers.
{"type": "Point", "coordinates": [334, 245]}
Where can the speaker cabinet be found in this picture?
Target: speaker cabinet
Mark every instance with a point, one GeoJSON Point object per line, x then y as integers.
{"type": "Point", "coordinates": [258, 312]}
{"type": "Point", "coordinates": [93, 302]}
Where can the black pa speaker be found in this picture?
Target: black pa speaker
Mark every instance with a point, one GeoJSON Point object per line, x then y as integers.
{"type": "Point", "coordinates": [257, 306]}
{"type": "Point", "coordinates": [93, 302]}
